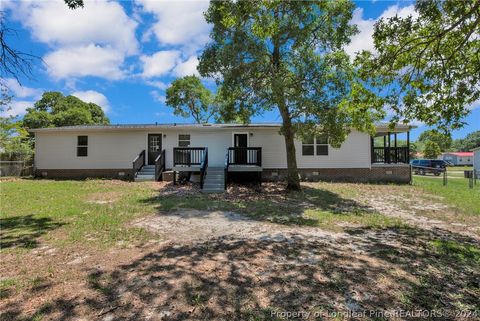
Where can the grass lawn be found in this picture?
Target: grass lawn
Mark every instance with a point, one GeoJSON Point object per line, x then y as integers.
{"type": "Point", "coordinates": [95, 212]}
{"type": "Point", "coordinates": [73, 250]}
{"type": "Point", "coordinates": [456, 193]}
{"type": "Point", "coordinates": [71, 212]}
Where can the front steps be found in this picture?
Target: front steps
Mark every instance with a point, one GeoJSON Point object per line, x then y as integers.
{"type": "Point", "coordinates": [214, 180]}
{"type": "Point", "coordinates": [146, 173]}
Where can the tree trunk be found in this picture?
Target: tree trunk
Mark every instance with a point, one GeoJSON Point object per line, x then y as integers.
{"type": "Point", "coordinates": [278, 89]}
{"type": "Point", "coordinates": [293, 181]}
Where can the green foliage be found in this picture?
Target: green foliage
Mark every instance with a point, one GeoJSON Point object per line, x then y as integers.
{"type": "Point", "coordinates": [414, 149]}
{"type": "Point", "coordinates": [431, 150]}
{"type": "Point", "coordinates": [468, 143]}
{"type": "Point", "coordinates": [15, 143]}
{"type": "Point", "coordinates": [287, 55]}
{"type": "Point", "coordinates": [428, 65]}
{"type": "Point", "coordinates": [444, 141]}
{"type": "Point", "coordinates": [189, 97]}
{"type": "Point", "coordinates": [55, 110]}
{"type": "Point", "coordinates": [74, 4]}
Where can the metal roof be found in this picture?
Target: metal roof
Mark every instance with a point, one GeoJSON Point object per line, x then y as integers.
{"type": "Point", "coordinates": [462, 154]}
{"type": "Point", "coordinates": [150, 126]}
{"type": "Point", "coordinates": [380, 127]}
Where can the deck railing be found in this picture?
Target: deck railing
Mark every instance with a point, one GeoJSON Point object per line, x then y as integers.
{"type": "Point", "coordinates": [203, 167]}
{"type": "Point", "coordinates": [244, 156]}
{"type": "Point", "coordinates": [138, 162]}
{"type": "Point", "coordinates": [227, 164]}
{"type": "Point", "coordinates": [159, 165]}
{"type": "Point", "coordinates": [390, 155]}
{"type": "Point", "coordinates": [188, 155]}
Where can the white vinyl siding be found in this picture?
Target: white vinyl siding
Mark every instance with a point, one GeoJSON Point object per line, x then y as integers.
{"type": "Point", "coordinates": [183, 140]}
{"type": "Point", "coordinates": [117, 149]}
{"type": "Point", "coordinates": [476, 160]}
{"type": "Point", "coordinates": [105, 150]}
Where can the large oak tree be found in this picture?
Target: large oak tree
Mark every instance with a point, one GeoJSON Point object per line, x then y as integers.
{"type": "Point", "coordinates": [190, 98]}
{"type": "Point", "coordinates": [427, 65]}
{"type": "Point", "coordinates": [56, 110]}
{"type": "Point", "coordinates": [288, 55]}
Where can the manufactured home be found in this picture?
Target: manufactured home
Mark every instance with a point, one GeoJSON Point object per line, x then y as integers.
{"type": "Point", "coordinates": [476, 160]}
{"type": "Point", "coordinates": [215, 152]}
{"type": "Point", "coordinates": [458, 158]}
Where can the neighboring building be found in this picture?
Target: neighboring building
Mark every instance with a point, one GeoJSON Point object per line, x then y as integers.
{"type": "Point", "coordinates": [133, 151]}
{"type": "Point", "coordinates": [458, 158]}
{"type": "Point", "coordinates": [476, 160]}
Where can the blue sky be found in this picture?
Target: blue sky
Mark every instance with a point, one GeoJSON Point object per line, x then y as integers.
{"type": "Point", "coordinates": [123, 55]}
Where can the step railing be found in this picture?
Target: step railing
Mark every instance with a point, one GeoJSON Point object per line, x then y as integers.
{"type": "Point", "coordinates": [203, 167]}
{"type": "Point", "coordinates": [225, 169]}
{"type": "Point", "coordinates": [159, 166]}
{"type": "Point", "coordinates": [138, 162]}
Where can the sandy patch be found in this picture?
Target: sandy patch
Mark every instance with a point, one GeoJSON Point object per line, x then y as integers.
{"type": "Point", "coordinates": [104, 197]}
{"type": "Point", "coordinates": [186, 226]}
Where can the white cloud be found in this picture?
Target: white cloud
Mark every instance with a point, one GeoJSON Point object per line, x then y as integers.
{"type": "Point", "coordinates": [160, 63]}
{"type": "Point", "coordinates": [20, 91]}
{"type": "Point", "coordinates": [99, 22]}
{"type": "Point", "coordinates": [92, 96]}
{"type": "Point", "coordinates": [178, 22]}
{"type": "Point", "coordinates": [187, 68]}
{"type": "Point", "coordinates": [157, 84]}
{"type": "Point", "coordinates": [158, 97]}
{"type": "Point", "coordinates": [364, 39]}
{"type": "Point", "coordinates": [89, 41]}
{"type": "Point", "coordinates": [83, 61]}
{"type": "Point", "coordinates": [17, 108]}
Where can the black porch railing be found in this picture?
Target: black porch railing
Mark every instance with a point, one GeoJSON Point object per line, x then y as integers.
{"type": "Point", "coordinates": [390, 155]}
{"type": "Point", "coordinates": [138, 162]}
{"type": "Point", "coordinates": [244, 156]}
{"type": "Point", "coordinates": [203, 167]}
{"type": "Point", "coordinates": [188, 155]}
{"type": "Point", "coordinates": [159, 165]}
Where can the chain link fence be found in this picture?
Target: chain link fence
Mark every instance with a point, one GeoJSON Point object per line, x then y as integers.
{"type": "Point", "coordinates": [16, 168]}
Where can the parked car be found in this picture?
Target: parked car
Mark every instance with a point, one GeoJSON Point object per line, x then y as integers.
{"type": "Point", "coordinates": [424, 166]}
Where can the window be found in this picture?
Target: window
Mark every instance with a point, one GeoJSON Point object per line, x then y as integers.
{"type": "Point", "coordinates": [82, 146]}
{"type": "Point", "coordinates": [183, 140]}
{"type": "Point", "coordinates": [315, 146]}
{"type": "Point", "coordinates": [308, 146]}
{"type": "Point", "coordinates": [322, 145]}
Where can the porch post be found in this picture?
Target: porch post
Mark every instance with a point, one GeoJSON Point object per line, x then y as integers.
{"type": "Point", "coordinates": [384, 148]}
{"type": "Point", "coordinates": [372, 152]}
{"type": "Point", "coordinates": [408, 146]}
{"type": "Point", "coordinates": [389, 145]}
{"type": "Point", "coordinates": [396, 150]}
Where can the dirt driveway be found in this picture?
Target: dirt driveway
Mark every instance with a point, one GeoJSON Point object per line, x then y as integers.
{"type": "Point", "coordinates": [195, 226]}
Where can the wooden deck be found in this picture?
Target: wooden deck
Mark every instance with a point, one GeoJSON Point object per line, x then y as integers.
{"type": "Point", "coordinates": [237, 160]}
{"type": "Point", "coordinates": [186, 168]}
{"type": "Point", "coordinates": [245, 168]}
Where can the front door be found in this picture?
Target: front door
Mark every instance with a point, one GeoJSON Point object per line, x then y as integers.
{"type": "Point", "coordinates": [154, 147]}
{"type": "Point", "coordinates": [240, 140]}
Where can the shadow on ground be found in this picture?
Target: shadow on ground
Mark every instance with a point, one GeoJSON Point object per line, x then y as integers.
{"type": "Point", "coordinates": [231, 279]}
{"type": "Point", "coordinates": [268, 202]}
{"type": "Point", "coordinates": [24, 231]}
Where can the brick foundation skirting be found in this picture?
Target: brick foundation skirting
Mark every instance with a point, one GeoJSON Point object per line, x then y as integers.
{"type": "Point", "coordinates": [118, 173]}
{"type": "Point", "coordinates": [383, 174]}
